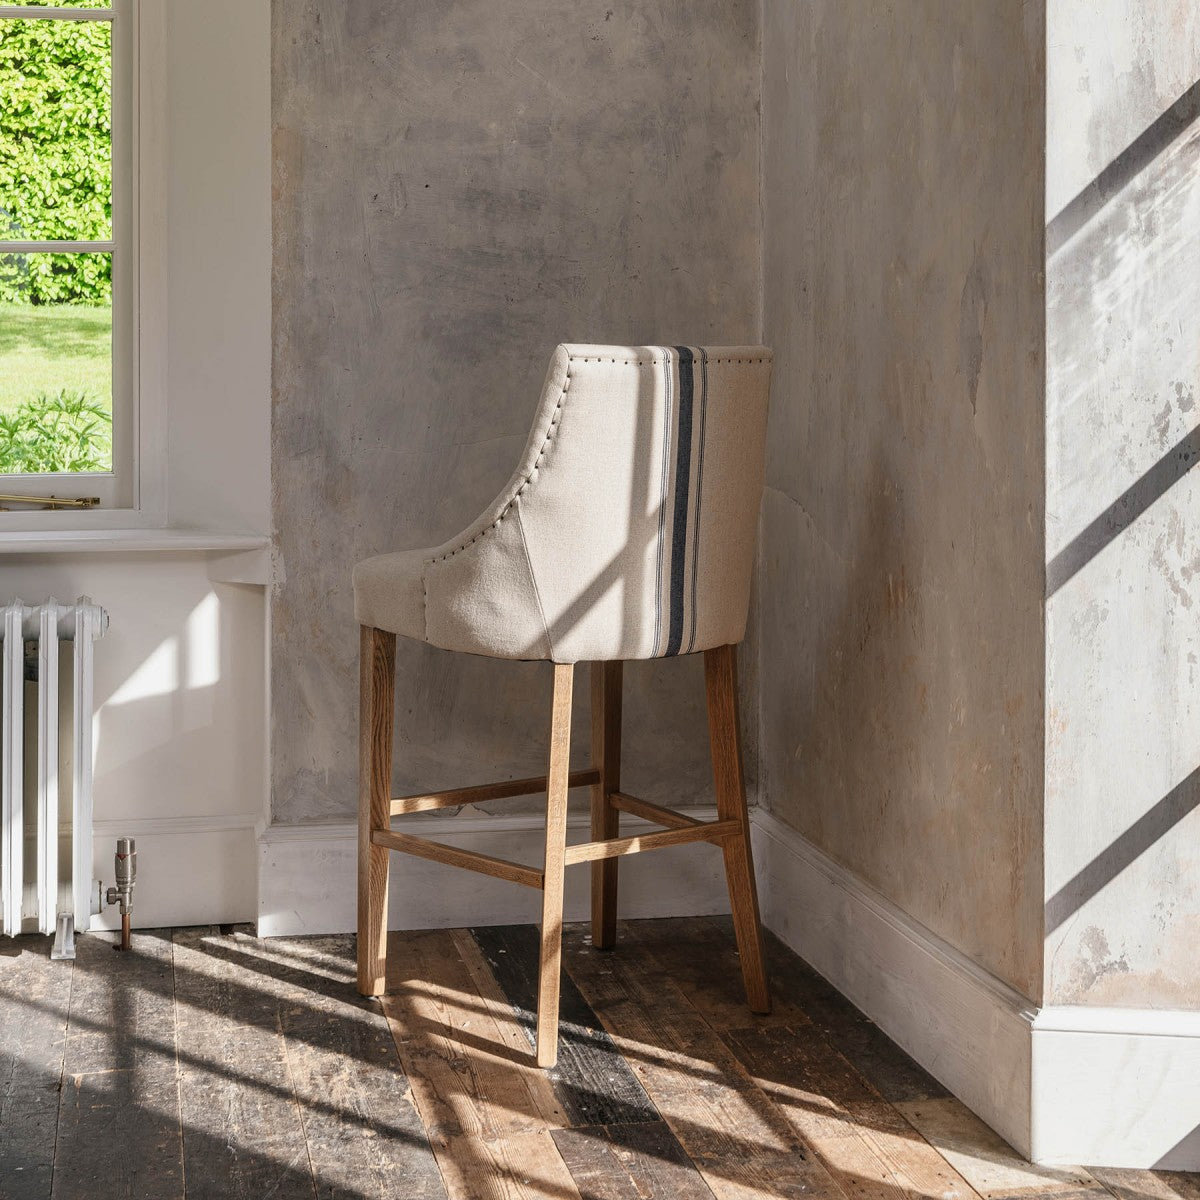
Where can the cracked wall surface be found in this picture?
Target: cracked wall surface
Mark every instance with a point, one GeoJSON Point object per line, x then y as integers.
{"type": "Point", "coordinates": [457, 188]}
{"type": "Point", "coordinates": [901, 623]}
{"type": "Point", "coordinates": [1123, 503]}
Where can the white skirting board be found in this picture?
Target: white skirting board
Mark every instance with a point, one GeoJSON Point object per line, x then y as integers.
{"type": "Point", "coordinates": [1063, 1085]}
{"type": "Point", "coordinates": [1117, 1087]}
{"type": "Point", "coordinates": [191, 870]}
{"type": "Point", "coordinates": [307, 876]}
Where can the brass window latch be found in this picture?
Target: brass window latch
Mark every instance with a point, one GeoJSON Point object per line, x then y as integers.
{"type": "Point", "coordinates": [51, 501]}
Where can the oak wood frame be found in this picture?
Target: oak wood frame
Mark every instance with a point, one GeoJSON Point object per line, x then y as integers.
{"type": "Point", "coordinates": [606, 819]}
{"type": "Point", "coordinates": [376, 702]}
{"type": "Point", "coordinates": [505, 790]}
{"type": "Point", "coordinates": [377, 668]}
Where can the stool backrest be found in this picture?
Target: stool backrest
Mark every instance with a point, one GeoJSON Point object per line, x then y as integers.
{"type": "Point", "coordinates": [639, 494]}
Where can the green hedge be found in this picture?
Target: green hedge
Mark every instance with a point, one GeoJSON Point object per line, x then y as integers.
{"type": "Point", "coordinates": [55, 156]}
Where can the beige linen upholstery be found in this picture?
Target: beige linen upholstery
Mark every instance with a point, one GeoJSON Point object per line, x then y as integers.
{"type": "Point", "coordinates": [627, 530]}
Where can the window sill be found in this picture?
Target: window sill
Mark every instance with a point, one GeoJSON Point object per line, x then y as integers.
{"type": "Point", "coordinates": [124, 541]}
{"type": "Point", "coordinates": [229, 557]}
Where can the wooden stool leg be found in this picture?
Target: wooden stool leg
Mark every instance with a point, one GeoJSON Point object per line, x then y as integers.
{"type": "Point", "coordinates": [606, 758]}
{"type": "Point", "coordinates": [720, 678]}
{"type": "Point", "coordinates": [554, 868]}
{"type": "Point", "coordinates": [376, 696]}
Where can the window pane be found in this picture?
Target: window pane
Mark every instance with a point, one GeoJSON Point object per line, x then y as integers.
{"type": "Point", "coordinates": [55, 363]}
{"type": "Point", "coordinates": [55, 130]}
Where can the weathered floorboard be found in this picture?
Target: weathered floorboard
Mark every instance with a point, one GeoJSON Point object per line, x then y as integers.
{"type": "Point", "coordinates": [522, 1166]}
{"type": "Point", "coordinates": [35, 997]}
{"type": "Point", "coordinates": [983, 1158]}
{"type": "Point", "coordinates": [630, 1162]}
{"type": "Point", "coordinates": [508, 1028]}
{"type": "Point", "coordinates": [363, 1132]}
{"type": "Point", "coordinates": [868, 1147]}
{"type": "Point", "coordinates": [740, 1142]}
{"type": "Point", "coordinates": [119, 1122]}
{"type": "Point", "coordinates": [593, 1083]}
{"type": "Point", "coordinates": [243, 1136]}
{"type": "Point", "coordinates": [215, 1065]}
{"type": "Point", "coordinates": [465, 1079]}
{"type": "Point", "coordinates": [700, 955]}
{"type": "Point", "coordinates": [1149, 1185]}
{"type": "Point", "coordinates": [889, 1070]}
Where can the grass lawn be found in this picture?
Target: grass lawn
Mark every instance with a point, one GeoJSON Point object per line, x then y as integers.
{"type": "Point", "coordinates": [44, 348]}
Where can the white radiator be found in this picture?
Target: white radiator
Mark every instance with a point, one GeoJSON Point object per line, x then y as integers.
{"type": "Point", "coordinates": [39, 629]}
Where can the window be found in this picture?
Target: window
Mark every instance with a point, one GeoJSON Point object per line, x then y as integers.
{"type": "Point", "coordinates": [67, 262]}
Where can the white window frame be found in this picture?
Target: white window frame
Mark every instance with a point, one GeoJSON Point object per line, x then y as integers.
{"type": "Point", "coordinates": [133, 493]}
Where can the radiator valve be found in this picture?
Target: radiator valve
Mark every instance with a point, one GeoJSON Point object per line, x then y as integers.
{"type": "Point", "coordinates": [126, 873]}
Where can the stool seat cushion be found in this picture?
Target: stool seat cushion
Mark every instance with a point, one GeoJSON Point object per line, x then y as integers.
{"type": "Point", "coordinates": [627, 529]}
{"type": "Point", "coordinates": [389, 592]}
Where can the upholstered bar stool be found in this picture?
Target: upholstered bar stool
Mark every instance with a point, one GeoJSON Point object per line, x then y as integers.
{"type": "Point", "coordinates": [626, 532]}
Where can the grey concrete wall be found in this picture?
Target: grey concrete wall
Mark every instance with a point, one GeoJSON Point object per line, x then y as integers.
{"type": "Point", "coordinates": [901, 627]}
{"type": "Point", "coordinates": [1123, 506]}
{"type": "Point", "coordinates": [459, 186]}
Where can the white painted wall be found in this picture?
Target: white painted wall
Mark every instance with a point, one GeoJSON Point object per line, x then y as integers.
{"type": "Point", "coordinates": [181, 702]}
{"type": "Point", "coordinates": [179, 728]}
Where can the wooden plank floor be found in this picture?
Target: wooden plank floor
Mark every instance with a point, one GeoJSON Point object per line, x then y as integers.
{"type": "Point", "coordinates": [208, 1064]}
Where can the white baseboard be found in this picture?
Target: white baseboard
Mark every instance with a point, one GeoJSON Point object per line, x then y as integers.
{"type": "Point", "coordinates": [1063, 1085]}
{"type": "Point", "coordinates": [307, 876]}
{"type": "Point", "coordinates": [1117, 1086]}
{"type": "Point", "coordinates": [191, 870]}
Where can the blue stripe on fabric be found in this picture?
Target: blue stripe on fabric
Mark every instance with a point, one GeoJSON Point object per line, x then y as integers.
{"type": "Point", "coordinates": [683, 478]}
{"type": "Point", "coordinates": [699, 490]}
{"type": "Point", "coordinates": [662, 504]}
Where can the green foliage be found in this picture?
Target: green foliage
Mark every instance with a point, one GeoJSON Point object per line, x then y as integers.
{"type": "Point", "coordinates": [55, 157]}
{"type": "Point", "coordinates": [64, 432]}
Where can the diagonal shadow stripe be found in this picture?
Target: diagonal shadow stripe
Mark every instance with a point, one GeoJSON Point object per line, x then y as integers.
{"type": "Point", "coordinates": [1111, 861]}
{"type": "Point", "coordinates": [593, 1082]}
{"type": "Point", "coordinates": [1155, 138]}
{"type": "Point", "coordinates": [1182, 1155]}
{"type": "Point", "coordinates": [1123, 511]}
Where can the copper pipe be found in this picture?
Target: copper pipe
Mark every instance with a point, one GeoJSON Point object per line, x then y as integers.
{"type": "Point", "coordinates": [125, 931]}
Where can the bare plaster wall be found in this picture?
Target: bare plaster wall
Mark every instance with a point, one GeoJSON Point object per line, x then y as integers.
{"type": "Point", "coordinates": [459, 186]}
{"type": "Point", "coordinates": [1123, 504]}
{"type": "Point", "coordinates": [901, 625]}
